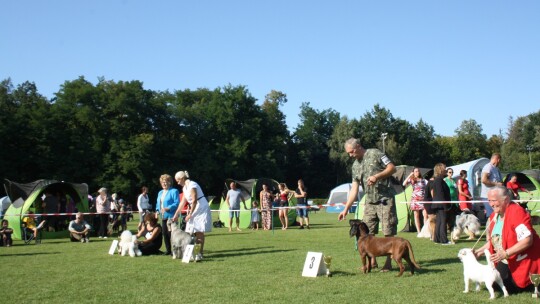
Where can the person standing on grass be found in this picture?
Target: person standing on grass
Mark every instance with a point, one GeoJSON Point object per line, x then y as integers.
{"type": "Point", "coordinates": [6, 233]}
{"type": "Point", "coordinates": [103, 208]}
{"type": "Point", "coordinates": [418, 184]}
{"type": "Point", "coordinates": [199, 216]}
{"type": "Point", "coordinates": [301, 203]}
{"type": "Point", "coordinates": [266, 199]}
{"type": "Point", "coordinates": [372, 170]}
{"type": "Point", "coordinates": [234, 196]}
{"type": "Point", "coordinates": [255, 216]}
{"type": "Point", "coordinates": [491, 177]}
{"type": "Point", "coordinates": [167, 204]}
{"type": "Point", "coordinates": [143, 205]}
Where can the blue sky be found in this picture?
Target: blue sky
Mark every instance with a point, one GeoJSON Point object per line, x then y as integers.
{"type": "Point", "coordinates": [440, 61]}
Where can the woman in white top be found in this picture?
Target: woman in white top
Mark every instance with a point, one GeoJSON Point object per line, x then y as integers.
{"type": "Point", "coordinates": [198, 218]}
{"type": "Point", "coordinates": [143, 204]}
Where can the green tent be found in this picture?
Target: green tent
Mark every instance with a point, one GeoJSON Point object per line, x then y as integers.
{"type": "Point", "coordinates": [250, 192]}
{"type": "Point", "coordinates": [26, 197]}
{"type": "Point", "coordinates": [531, 183]}
{"type": "Point", "coordinates": [403, 195]}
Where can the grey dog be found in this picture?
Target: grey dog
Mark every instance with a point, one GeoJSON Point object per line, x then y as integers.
{"type": "Point", "coordinates": [179, 239]}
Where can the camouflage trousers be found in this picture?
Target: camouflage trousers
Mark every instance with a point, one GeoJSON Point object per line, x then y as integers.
{"type": "Point", "coordinates": [383, 211]}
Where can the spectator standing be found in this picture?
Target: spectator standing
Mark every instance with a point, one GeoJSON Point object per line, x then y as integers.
{"type": "Point", "coordinates": [167, 204]}
{"type": "Point", "coordinates": [301, 203]}
{"type": "Point", "coordinates": [418, 184]}
{"type": "Point", "coordinates": [103, 208]}
{"type": "Point", "coordinates": [464, 193]}
{"type": "Point", "coordinates": [143, 205]}
{"type": "Point", "coordinates": [234, 196]}
{"type": "Point", "coordinates": [491, 177]}
{"type": "Point", "coordinates": [440, 194]}
{"type": "Point", "coordinates": [266, 199]}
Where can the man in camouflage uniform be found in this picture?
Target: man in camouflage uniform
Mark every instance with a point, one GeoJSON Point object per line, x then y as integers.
{"type": "Point", "coordinates": [371, 170]}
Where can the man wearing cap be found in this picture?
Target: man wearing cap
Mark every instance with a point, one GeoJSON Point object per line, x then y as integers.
{"type": "Point", "coordinates": [372, 170]}
{"type": "Point", "coordinates": [103, 208]}
{"type": "Point", "coordinates": [79, 229]}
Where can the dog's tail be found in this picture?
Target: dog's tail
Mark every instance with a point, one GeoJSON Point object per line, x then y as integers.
{"type": "Point", "coordinates": [411, 256]}
{"type": "Point", "coordinates": [488, 259]}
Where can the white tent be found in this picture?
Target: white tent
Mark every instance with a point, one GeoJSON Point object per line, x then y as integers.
{"type": "Point", "coordinates": [338, 197]}
{"type": "Point", "coordinates": [5, 202]}
{"type": "Point", "coordinates": [474, 174]}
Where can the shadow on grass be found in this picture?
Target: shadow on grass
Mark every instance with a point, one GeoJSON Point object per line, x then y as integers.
{"type": "Point", "coordinates": [242, 252]}
{"type": "Point", "coordinates": [28, 254]}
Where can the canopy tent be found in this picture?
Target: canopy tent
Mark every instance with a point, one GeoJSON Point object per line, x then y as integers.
{"type": "Point", "coordinates": [402, 196]}
{"type": "Point", "coordinates": [530, 183]}
{"type": "Point", "coordinates": [250, 192]}
{"type": "Point", "coordinates": [474, 174]}
{"type": "Point", "coordinates": [27, 197]}
{"type": "Point", "coordinates": [338, 197]}
{"type": "Point", "coordinates": [534, 173]}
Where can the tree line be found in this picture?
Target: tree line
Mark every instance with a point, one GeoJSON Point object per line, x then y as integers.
{"type": "Point", "coordinates": [121, 136]}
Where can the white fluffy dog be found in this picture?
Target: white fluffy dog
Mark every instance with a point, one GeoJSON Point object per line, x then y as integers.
{"type": "Point", "coordinates": [478, 273]}
{"type": "Point", "coordinates": [128, 244]}
{"type": "Point", "coordinates": [467, 223]}
{"type": "Point", "coordinates": [179, 240]}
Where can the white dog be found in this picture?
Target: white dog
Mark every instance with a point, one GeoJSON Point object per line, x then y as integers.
{"type": "Point", "coordinates": [179, 240]}
{"type": "Point", "coordinates": [478, 273]}
{"type": "Point", "coordinates": [128, 244]}
{"type": "Point", "coordinates": [467, 223]}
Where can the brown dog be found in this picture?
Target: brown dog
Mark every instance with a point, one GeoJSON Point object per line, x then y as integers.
{"type": "Point", "coordinates": [371, 246]}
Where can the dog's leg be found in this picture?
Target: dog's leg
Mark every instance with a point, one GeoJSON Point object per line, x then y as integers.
{"type": "Point", "coordinates": [466, 279]}
{"type": "Point", "coordinates": [501, 284]}
{"type": "Point", "coordinates": [365, 267]}
{"type": "Point", "coordinates": [401, 267]}
{"type": "Point", "coordinates": [490, 289]}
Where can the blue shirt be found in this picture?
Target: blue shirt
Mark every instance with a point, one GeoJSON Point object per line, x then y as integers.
{"type": "Point", "coordinates": [171, 200]}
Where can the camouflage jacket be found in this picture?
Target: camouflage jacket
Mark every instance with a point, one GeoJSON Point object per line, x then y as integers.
{"type": "Point", "coordinates": [373, 162]}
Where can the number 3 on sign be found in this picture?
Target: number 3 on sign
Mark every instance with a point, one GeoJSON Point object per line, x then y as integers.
{"type": "Point", "coordinates": [312, 264]}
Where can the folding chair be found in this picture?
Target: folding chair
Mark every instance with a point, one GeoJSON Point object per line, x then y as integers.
{"type": "Point", "coordinates": [28, 233]}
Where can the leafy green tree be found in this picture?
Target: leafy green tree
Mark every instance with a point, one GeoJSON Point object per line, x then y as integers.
{"type": "Point", "coordinates": [310, 151]}
{"type": "Point", "coordinates": [470, 142]}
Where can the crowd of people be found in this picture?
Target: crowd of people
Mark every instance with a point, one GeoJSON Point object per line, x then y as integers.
{"type": "Point", "coordinates": [511, 239]}
{"type": "Point", "coordinates": [435, 203]}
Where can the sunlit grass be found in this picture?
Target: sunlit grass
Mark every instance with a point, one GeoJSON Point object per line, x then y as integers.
{"type": "Point", "coordinates": [239, 267]}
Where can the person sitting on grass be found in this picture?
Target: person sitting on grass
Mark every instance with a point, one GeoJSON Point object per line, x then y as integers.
{"type": "Point", "coordinates": [6, 233]}
{"type": "Point", "coordinates": [151, 231]}
{"type": "Point", "coordinates": [79, 229]}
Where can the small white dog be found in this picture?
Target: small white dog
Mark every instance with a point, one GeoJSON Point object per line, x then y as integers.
{"type": "Point", "coordinates": [467, 223]}
{"type": "Point", "coordinates": [478, 273]}
{"type": "Point", "coordinates": [179, 240]}
{"type": "Point", "coordinates": [128, 244]}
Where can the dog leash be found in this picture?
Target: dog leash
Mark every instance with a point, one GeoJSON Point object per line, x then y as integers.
{"type": "Point", "coordinates": [487, 225]}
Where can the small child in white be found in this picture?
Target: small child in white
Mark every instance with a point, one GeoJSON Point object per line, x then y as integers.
{"type": "Point", "coordinates": [255, 215]}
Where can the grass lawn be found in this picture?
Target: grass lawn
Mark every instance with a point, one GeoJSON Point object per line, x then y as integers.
{"type": "Point", "coordinates": [239, 267]}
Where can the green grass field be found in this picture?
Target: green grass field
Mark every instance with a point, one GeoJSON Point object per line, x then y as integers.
{"type": "Point", "coordinates": [239, 267]}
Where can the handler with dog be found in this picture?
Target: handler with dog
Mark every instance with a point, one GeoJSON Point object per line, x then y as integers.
{"type": "Point", "coordinates": [372, 169]}
{"type": "Point", "coordinates": [512, 241]}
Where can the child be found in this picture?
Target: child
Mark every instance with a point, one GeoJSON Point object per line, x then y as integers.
{"type": "Point", "coordinates": [6, 232]}
{"type": "Point", "coordinates": [30, 223]}
{"type": "Point", "coordinates": [255, 216]}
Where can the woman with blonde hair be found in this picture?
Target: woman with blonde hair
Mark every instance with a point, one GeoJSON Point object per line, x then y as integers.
{"type": "Point", "coordinates": [198, 218]}
{"type": "Point", "coordinates": [167, 205]}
